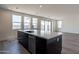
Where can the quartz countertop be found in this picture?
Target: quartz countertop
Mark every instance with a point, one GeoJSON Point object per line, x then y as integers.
{"type": "Point", "coordinates": [42, 34]}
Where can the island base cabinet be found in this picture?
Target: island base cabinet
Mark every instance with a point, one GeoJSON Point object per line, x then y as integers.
{"type": "Point", "coordinates": [23, 39]}
{"type": "Point", "coordinates": [54, 45]}
{"type": "Point", "coordinates": [32, 44]}
{"type": "Point", "coordinates": [38, 45]}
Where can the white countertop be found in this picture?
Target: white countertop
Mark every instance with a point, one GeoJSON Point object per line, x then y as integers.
{"type": "Point", "coordinates": [43, 34]}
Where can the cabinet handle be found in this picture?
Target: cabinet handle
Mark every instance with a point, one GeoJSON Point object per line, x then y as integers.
{"type": "Point", "coordinates": [57, 39]}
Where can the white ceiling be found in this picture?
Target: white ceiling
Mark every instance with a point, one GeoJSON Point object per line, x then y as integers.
{"type": "Point", "coordinates": [54, 11]}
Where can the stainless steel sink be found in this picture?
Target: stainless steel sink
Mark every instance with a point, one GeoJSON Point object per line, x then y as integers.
{"type": "Point", "coordinates": [30, 31]}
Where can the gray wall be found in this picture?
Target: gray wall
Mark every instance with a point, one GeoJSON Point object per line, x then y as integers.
{"type": "Point", "coordinates": [6, 31]}
{"type": "Point", "coordinates": [71, 24]}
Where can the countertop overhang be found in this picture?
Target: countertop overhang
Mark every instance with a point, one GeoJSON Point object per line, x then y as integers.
{"type": "Point", "coordinates": [42, 34]}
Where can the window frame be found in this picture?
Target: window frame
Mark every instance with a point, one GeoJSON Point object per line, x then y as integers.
{"type": "Point", "coordinates": [16, 22]}
{"type": "Point", "coordinates": [49, 29]}
{"type": "Point", "coordinates": [32, 24]}
{"type": "Point", "coordinates": [25, 22]}
{"type": "Point", "coordinates": [58, 24]}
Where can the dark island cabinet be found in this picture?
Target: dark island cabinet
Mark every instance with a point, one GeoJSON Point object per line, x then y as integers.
{"type": "Point", "coordinates": [54, 45]}
{"type": "Point", "coordinates": [32, 44]}
{"type": "Point", "coordinates": [38, 45]}
{"type": "Point", "coordinates": [23, 39]}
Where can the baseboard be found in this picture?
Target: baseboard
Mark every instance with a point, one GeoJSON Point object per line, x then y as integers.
{"type": "Point", "coordinates": [70, 33]}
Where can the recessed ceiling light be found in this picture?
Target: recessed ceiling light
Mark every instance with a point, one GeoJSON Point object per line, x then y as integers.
{"type": "Point", "coordinates": [41, 6]}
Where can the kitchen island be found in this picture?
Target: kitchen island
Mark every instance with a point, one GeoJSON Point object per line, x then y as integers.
{"type": "Point", "coordinates": [40, 42]}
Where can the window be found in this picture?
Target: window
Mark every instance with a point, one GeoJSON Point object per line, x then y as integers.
{"type": "Point", "coordinates": [34, 23]}
{"type": "Point", "coordinates": [42, 25]}
{"type": "Point", "coordinates": [52, 26]}
{"type": "Point", "coordinates": [59, 24]}
{"type": "Point", "coordinates": [16, 22]}
{"type": "Point", "coordinates": [45, 25]}
{"type": "Point", "coordinates": [27, 22]}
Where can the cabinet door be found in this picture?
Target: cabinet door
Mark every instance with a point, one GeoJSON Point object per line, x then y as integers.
{"type": "Point", "coordinates": [59, 43]}
{"type": "Point", "coordinates": [23, 39]}
{"type": "Point", "coordinates": [51, 45]}
{"type": "Point", "coordinates": [32, 44]}
{"type": "Point", "coordinates": [40, 45]}
{"type": "Point", "coordinates": [54, 45]}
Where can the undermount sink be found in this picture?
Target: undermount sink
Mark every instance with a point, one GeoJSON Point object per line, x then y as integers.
{"type": "Point", "coordinates": [30, 31]}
